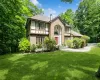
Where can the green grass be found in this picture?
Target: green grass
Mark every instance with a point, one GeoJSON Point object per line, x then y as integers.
{"type": "Point", "coordinates": [56, 65]}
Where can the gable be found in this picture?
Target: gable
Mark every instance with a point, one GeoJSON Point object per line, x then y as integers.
{"type": "Point", "coordinates": [57, 21]}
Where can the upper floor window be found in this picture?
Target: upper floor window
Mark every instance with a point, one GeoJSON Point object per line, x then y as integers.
{"type": "Point", "coordinates": [32, 24]}
{"type": "Point", "coordinates": [40, 25]}
{"type": "Point", "coordinates": [67, 30]}
{"type": "Point", "coordinates": [57, 30]}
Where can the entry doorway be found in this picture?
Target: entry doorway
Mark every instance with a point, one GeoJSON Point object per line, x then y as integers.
{"type": "Point", "coordinates": [56, 39]}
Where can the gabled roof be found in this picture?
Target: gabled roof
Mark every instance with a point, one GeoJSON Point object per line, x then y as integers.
{"type": "Point", "coordinates": [75, 33]}
{"type": "Point", "coordinates": [41, 18]}
{"type": "Point", "coordinates": [47, 19]}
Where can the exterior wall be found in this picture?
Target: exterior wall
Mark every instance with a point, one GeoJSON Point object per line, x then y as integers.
{"type": "Point", "coordinates": [53, 24]}
{"type": "Point", "coordinates": [34, 27]}
{"type": "Point", "coordinates": [32, 32]}
{"type": "Point", "coordinates": [67, 38]}
{"type": "Point", "coordinates": [32, 39]}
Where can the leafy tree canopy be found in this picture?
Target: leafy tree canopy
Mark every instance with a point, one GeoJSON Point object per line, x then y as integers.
{"type": "Point", "coordinates": [88, 19]}
{"type": "Point", "coordinates": [70, 1]}
{"type": "Point", "coordinates": [68, 18]}
{"type": "Point", "coordinates": [13, 14]}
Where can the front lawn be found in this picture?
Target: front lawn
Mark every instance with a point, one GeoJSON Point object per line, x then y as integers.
{"type": "Point", "coordinates": [56, 65]}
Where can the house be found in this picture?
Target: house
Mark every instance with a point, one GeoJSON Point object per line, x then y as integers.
{"type": "Point", "coordinates": [38, 27]}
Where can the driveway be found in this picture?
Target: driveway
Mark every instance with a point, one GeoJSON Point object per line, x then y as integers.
{"type": "Point", "coordinates": [85, 49]}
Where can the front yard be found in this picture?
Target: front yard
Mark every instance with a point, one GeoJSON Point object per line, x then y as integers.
{"type": "Point", "coordinates": [56, 65]}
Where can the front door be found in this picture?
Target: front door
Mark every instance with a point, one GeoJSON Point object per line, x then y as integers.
{"type": "Point", "coordinates": [56, 38]}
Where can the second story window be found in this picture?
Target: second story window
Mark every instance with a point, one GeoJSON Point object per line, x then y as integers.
{"type": "Point", "coordinates": [32, 24]}
{"type": "Point", "coordinates": [67, 30]}
{"type": "Point", "coordinates": [41, 26]}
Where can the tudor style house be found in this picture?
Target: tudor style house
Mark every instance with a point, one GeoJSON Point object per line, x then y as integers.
{"type": "Point", "coordinates": [38, 27]}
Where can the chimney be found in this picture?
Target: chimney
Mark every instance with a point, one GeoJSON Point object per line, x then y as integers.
{"type": "Point", "coordinates": [50, 17]}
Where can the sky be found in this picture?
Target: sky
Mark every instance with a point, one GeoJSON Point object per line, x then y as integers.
{"type": "Point", "coordinates": [55, 7]}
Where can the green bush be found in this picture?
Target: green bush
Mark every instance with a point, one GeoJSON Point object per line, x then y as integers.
{"type": "Point", "coordinates": [63, 44]}
{"type": "Point", "coordinates": [33, 48]}
{"type": "Point", "coordinates": [83, 43]}
{"type": "Point", "coordinates": [39, 46]}
{"type": "Point", "coordinates": [69, 43]}
{"type": "Point", "coordinates": [24, 45]}
{"type": "Point", "coordinates": [77, 42]}
{"type": "Point", "coordinates": [98, 44]}
{"type": "Point", "coordinates": [50, 44]}
{"type": "Point", "coordinates": [4, 49]}
{"type": "Point", "coordinates": [86, 38]}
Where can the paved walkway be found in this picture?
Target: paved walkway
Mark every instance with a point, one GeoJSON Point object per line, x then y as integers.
{"type": "Point", "coordinates": [85, 49]}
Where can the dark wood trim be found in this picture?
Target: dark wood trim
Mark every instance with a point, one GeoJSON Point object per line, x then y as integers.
{"type": "Point", "coordinates": [39, 34]}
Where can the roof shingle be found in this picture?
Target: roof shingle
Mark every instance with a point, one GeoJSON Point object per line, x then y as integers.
{"type": "Point", "coordinates": [41, 18]}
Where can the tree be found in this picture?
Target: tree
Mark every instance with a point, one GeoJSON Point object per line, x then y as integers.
{"type": "Point", "coordinates": [68, 18]}
{"type": "Point", "coordinates": [13, 14]}
{"type": "Point", "coordinates": [70, 1]}
{"type": "Point", "coordinates": [88, 19]}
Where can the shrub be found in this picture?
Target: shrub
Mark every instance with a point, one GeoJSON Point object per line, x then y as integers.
{"type": "Point", "coordinates": [4, 49]}
{"type": "Point", "coordinates": [86, 38]}
{"type": "Point", "coordinates": [63, 44]}
{"type": "Point", "coordinates": [39, 46]}
{"type": "Point", "coordinates": [50, 44]}
{"type": "Point", "coordinates": [33, 48]}
{"type": "Point", "coordinates": [57, 47]}
{"type": "Point", "coordinates": [98, 44]}
{"type": "Point", "coordinates": [77, 43]}
{"type": "Point", "coordinates": [24, 45]}
{"type": "Point", "coordinates": [69, 43]}
{"type": "Point", "coordinates": [83, 43]}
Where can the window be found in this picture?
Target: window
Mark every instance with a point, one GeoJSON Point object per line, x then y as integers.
{"type": "Point", "coordinates": [57, 30]}
{"type": "Point", "coordinates": [37, 25]}
{"type": "Point", "coordinates": [67, 30]}
{"type": "Point", "coordinates": [46, 25]}
{"type": "Point", "coordinates": [42, 26]}
{"type": "Point", "coordinates": [39, 39]}
{"type": "Point", "coordinates": [32, 24]}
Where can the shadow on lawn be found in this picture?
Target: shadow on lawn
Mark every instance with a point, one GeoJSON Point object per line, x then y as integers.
{"type": "Point", "coordinates": [53, 66]}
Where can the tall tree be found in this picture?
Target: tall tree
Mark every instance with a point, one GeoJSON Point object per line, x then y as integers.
{"type": "Point", "coordinates": [68, 18]}
{"type": "Point", "coordinates": [13, 14]}
{"type": "Point", "coordinates": [88, 19]}
{"type": "Point", "coordinates": [70, 1]}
